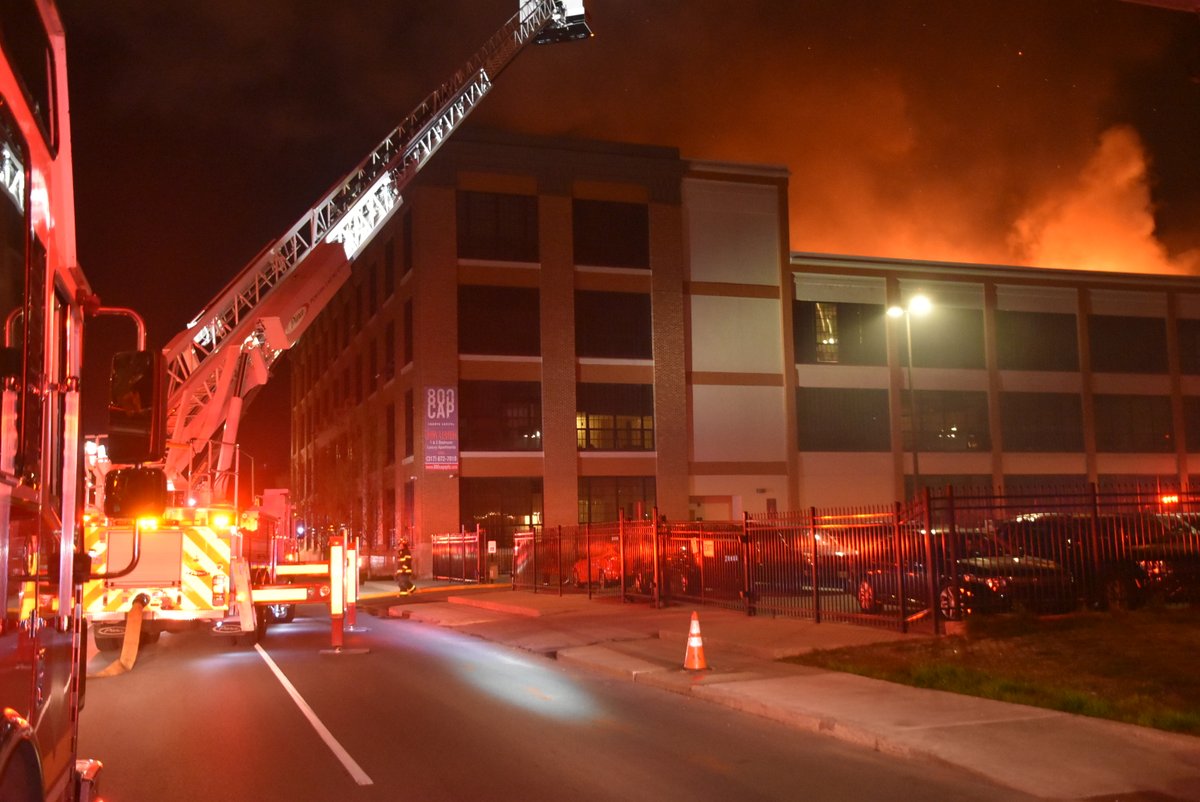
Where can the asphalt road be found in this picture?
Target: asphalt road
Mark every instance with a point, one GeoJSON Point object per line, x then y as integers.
{"type": "Point", "coordinates": [430, 714]}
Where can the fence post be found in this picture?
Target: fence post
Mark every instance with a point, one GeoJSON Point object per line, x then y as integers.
{"type": "Point", "coordinates": [816, 582]}
{"type": "Point", "coordinates": [1093, 591]}
{"type": "Point", "coordinates": [587, 546]}
{"type": "Point", "coordinates": [480, 555]}
{"type": "Point", "coordinates": [900, 594]}
{"type": "Point", "coordinates": [621, 550]}
{"type": "Point", "coordinates": [747, 587]}
{"type": "Point", "coordinates": [931, 569]}
{"type": "Point", "coordinates": [533, 557]}
{"type": "Point", "coordinates": [559, 555]}
{"type": "Point", "coordinates": [658, 598]}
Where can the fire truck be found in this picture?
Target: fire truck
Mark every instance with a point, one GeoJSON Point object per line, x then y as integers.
{"type": "Point", "coordinates": [44, 301]}
{"type": "Point", "coordinates": [196, 564]}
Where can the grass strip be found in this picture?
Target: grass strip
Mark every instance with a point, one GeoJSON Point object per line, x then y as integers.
{"type": "Point", "coordinates": [1135, 667]}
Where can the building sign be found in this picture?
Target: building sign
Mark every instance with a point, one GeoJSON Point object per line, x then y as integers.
{"type": "Point", "coordinates": [441, 428]}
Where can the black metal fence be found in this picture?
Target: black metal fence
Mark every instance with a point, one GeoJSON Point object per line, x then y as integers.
{"type": "Point", "coordinates": [469, 556]}
{"type": "Point", "coordinates": [949, 555]}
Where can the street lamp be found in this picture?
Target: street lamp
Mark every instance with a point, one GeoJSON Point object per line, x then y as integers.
{"type": "Point", "coordinates": [920, 306]}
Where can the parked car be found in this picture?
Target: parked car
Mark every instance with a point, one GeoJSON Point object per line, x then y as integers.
{"type": "Point", "coordinates": [602, 570]}
{"type": "Point", "coordinates": [1170, 557]}
{"type": "Point", "coordinates": [781, 562]}
{"type": "Point", "coordinates": [976, 573]}
{"type": "Point", "coordinates": [1119, 561]}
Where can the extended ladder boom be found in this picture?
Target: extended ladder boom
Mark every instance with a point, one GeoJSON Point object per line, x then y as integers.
{"type": "Point", "coordinates": [226, 352]}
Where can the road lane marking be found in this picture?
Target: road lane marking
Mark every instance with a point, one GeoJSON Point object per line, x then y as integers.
{"type": "Point", "coordinates": [339, 752]}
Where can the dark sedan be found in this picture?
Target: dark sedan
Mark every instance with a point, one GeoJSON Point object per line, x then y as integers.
{"type": "Point", "coordinates": [1119, 560]}
{"type": "Point", "coordinates": [976, 573]}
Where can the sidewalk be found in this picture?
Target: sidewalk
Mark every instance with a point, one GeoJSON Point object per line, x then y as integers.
{"type": "Point", "coordinates": [1041, 752]}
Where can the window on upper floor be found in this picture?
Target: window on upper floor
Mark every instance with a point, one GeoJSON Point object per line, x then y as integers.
{"type": "Point", "coordinates": [829, 332]}
{"type": "Point", "coordinates": [1189, 346]}
{"type": "Point", "coordinates": [842, 419]}
{"type": "Point", "coordinates": [611, 233]}
{"type": "Point", "coordinates": [499, 320]}
{"type": "Point", "coordinates": [613, 325]}
{"type": "Point", "coordinates": [948, 420]}
{"type": "Point", "coordinates": [498, 226]}
{"type": "Point", "coordinates": [1133, 424]}
{"type": "Point", "coordinates": [500, 416]}
{"type": "Point", "coordinates": [1051, 422]}
{"type": "Point", "coordinates": [948, 337]}
{"type": "Point", "coordinates": [407, 327]}
{"type": "Point", "coordinates": [616, 417]}
{"type": "Point", "coordinates": [409, 414]}
{"type": "Point", "coordinates": [1127, 344]}
{"type": "Point", "coordinates": [1191, 423]}
{"type": "Point", "coordinates": [1036, 341]}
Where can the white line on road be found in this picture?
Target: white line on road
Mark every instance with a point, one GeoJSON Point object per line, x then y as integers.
{"type": "Point", "coordinates": [355, 770]}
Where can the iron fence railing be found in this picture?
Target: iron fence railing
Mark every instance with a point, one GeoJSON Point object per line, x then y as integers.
{"type": "Point", "coordinates": [945, 556]}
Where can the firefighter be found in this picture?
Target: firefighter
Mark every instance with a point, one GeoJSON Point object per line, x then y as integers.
{"type": "Point", "coordinates": [404, 568]}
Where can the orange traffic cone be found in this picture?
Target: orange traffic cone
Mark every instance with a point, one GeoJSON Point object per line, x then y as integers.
{"type": "Point", "coordinates": [693, 660]}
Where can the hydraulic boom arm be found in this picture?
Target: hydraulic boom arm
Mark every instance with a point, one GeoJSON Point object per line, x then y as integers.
{"type": "Point", "coordinates": [228, 349]}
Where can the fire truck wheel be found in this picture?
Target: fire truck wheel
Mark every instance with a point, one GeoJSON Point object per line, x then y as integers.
{"type": "Point", "coordinates": [262, 621]}
{"type": "Point", "coordinates": [19, 776]}
{"type": "Point", "coordinates": [149, 636]}
{"type": "Point", "coordinates": [107, 643]}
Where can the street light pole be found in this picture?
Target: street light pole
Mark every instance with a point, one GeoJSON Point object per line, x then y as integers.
{"type": "Point", "coordinates": [912, 405]}
{"type": "Point", "coordinates": [917, 305]}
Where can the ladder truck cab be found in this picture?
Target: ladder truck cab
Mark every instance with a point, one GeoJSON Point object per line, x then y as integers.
{"type": "Point", "coordinates": [200, 561]}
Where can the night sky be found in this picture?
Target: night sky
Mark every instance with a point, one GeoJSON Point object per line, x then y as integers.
{"type": "Point", "coordinates": [1059, 133]}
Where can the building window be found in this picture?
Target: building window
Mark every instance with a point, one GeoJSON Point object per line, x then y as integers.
{"type": "Point", "coordinates": [827, 332]}
{"type": "Point", "coordinates": [842, 419]}
{"type": "Point", "coordinates": [1189, 347]}
{"type": "Point", "coordinates": [500, 416]}
{"type": "Point", "coordinates": [389, 270]}
{"type": "Point", "coordinates": [409, 412]}
{"type": "Point", "coordinates": [501, 506]}
{"type": "Point", "coordinates": [614, 417]}
{"type": "Point", "coordinates": [497, 226]}
{"type": "Point", "coordinates": [613, 325]}
{"type": "Point", "coordinates": [389, 423]}
{"type": "Point", "coordinates": [603, 499]}
{"type": "Point", "coordinates": [407, 322]}
{"type": "Point", "coordinates": [499, 320]}
{"type": "Point", "coordinates": [406, 243]}
{"type": "Point", "coordinates": [1133, 424]}
{"type": "Point", "coordinates": [389, 351]}
{"type": "Point", "coordinates": [950, 420]}
{"type": "Point", "coordinates": [1036, 341]}
{"type": "Point", "coordinates": [948, 337]}
{"type": "Point", "coordinates": [1122, 344]}
{"type": "Point", "coordinates": [1051, 422]}
{"type": "Point", "coordinates": [1191, 422]}
{"type": "Point", "coordinates": [372, 367]}
{"type": "Point", "coordinates": [611, 234]}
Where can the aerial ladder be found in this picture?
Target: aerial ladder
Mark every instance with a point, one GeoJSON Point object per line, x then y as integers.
{"type": "Point", "coordinates": [192, 567]}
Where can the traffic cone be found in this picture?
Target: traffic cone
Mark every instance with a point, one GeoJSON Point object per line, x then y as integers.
{"type": "Point", "coordinates": [693, 660]}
